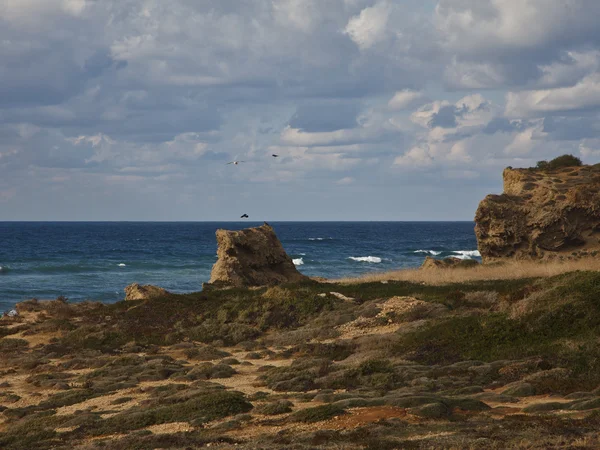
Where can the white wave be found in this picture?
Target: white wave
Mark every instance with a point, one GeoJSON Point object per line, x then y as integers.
{"type": "Point", "coordinates": [122, 265]}
{"type": "Point", "coordinates": [430, 252]}
{"type": "Point", "coordinates": [298, 261]}
{"type": "Point", "coordinates": [302, 254]}
{"type": "Point", "coordinates": [316, 239]}
{"type": "Point", "coordinates": [370, 259]}
{"type": "Point", "coordinates": [467, 252]}
{"type": "Point", "coordinates": [459, 257]}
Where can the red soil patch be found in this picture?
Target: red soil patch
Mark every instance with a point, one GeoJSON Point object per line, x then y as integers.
{"type": "Point", "coordinates": [363, 416]}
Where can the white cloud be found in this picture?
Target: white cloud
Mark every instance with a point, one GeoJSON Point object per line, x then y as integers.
{"type": "Point", "coordinates": [525, 141]}
{"type": "Point", "coordinates": [570, 69]}
{"type": "Point", "coordinates": [482, 25]}
{"type": "Point", "coordinates": [369, 27]}
{"type": "Point", "coordinates": [294, 136]}
{"type": "Point", "coordinates": [415, 157]}
{"type": "Point", "coordinates": [406, 99]}
{"type": "Point", "coordinates": [584, 95]}
{"type": "Point", "coordinates": [345, 181]}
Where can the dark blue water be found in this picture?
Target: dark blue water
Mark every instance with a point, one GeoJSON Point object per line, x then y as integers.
{"type": "Point", "coordinates": [96, 260]}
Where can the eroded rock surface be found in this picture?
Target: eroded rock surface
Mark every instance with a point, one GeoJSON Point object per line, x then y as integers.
{"type": "Point", "coordinates": [432, 263]}
{"type": "Point", "coordinates": [252, 257]}
{"type": "Point", "coordinates": [137, 291]}
{"type": "Point", "coordinates": [542, 215]}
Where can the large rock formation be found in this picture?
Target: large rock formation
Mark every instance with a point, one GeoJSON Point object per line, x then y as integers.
{"type": "Point", "coordinates": [252, 257]}
{"type": "Point", "coordinates": [137, 291]}
{"type": "Point", "coordinates": [542, 215]}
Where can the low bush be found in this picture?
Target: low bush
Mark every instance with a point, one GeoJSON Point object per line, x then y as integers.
{"type": "Point", "coordinates": [559, 162]}
{"type": "Point", "coordinates": [318, 413]}
{"type": "Point", "coordinates": [198, 409]}
{"type": "Point", "coordinates": [275, 408]}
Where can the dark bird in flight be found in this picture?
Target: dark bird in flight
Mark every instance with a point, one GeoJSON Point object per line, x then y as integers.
{"type": "Point", "coordinates": [234, 162]}
{"type": "Point", "coordinates": [244, 216]}
{"type": "Point", "coordinates": [274, 155]}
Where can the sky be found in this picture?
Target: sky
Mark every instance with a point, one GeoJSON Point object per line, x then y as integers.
{"type": "Point", "coordinates": [378, 109]}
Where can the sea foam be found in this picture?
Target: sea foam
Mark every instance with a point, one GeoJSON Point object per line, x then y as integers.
{"type": "Point", "coordinates": [298, 261]}
{"type": "Point", "coordinates": [466, 254]}
{"type": "Point", "coordinates": [369, 259]}
{"type": "Point", "coordinates": [122, 265]}
{"type": "Point", "coordinates": [430, 252]}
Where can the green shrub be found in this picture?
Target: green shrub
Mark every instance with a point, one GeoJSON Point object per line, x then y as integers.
{"type": "Point", "coordinates": [209, 371]}
{"type": "Point", "coordinates": [12, 345]}
{"type": "Point", "coordinates": [200, 409]}
{"type": "Point", "coordinates": [205, 353]}
{"type": "Point", "coordinates": [559, 162]}
{"type": "Point", "coordinates": [318, 413]}
{"type": "Point", "coordinates": [275, 408]}
{"type": "Point", "coordinates": [372, 366]}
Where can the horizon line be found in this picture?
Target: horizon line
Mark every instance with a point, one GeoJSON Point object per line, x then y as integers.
{"type": "Point", "coordinates": [233, 221]}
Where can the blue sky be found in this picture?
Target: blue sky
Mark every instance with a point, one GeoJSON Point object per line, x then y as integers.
{"type": "Point", "coordinates": [378, 109]}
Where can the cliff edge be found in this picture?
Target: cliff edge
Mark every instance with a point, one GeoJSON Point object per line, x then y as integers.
{"type": "Point", "coordinates": [542, 214]}
{"type": "Point", "coordinates": [252, 257]}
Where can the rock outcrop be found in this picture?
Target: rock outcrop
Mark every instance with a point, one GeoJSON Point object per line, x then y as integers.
{"type": "Point", "coordinates": [542, 215]}
{"type": "Point", "coordinates": [144, 292]}
{"type": "Point", "coordinates": [450, 262]}
{"type": "Point", "coordinates": [252, 257]}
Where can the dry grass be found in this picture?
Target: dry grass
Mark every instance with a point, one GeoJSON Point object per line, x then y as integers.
{"type": "Point", "coordinates": [505, 271]}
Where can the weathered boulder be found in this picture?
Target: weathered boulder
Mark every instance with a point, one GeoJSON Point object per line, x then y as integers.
{"type": "Point", "coordinates": [542, 214]}
{"type": "Point", "coordinates": [252, 257]}
{"type": "Point", "coordinates": [432, 263]}
{"type": "Point", "coordinates": [137, 291]}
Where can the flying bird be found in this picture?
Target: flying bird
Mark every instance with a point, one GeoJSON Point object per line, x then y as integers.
{"type": "Point", "coordinates": [244, 216]}
{"type": "Point", "coordinates": [274, 155]}
{"type": "Point", "coordinates": [234, 162]}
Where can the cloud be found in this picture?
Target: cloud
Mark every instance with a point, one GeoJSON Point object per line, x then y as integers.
{"type": "Point", "coordinates": [360, 95]}
{"type": "Point", "coordinates": [416, 156]}
{"type": "Point", "coordinates": [345, 181]}
{"type": "Point", "coordinates": [585, 95]}
{"type": "Point", "coordinates": [499, 43]}
{"type": "Point", "coordinates": [369, 27]}
{"type": "Point", "coordinates": [406, 99]}
{"type": "Point", "coordinates": [326, 116]}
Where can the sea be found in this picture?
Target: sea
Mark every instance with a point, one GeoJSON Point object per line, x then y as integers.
{"type": "Point", "coordinates": [96, 260]}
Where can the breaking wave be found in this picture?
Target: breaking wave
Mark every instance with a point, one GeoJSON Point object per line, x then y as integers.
{"type": "Point", "coordinates": [122, 265]}
{"type": "Point", "coordinates": [369, 259]}
{"type": "Point", "coordinates": [298, 261]}
{"type": "Point", "coordinates": [430, 252]}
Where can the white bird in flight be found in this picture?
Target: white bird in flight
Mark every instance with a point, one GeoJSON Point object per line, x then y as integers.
{"type": "Point", "coordinates": [234, 162]}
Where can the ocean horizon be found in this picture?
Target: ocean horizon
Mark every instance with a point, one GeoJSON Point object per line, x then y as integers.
{"type": "Point", "coordinates": [95, 260]}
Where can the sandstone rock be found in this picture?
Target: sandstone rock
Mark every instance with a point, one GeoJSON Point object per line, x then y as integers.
{"type": "Point", "coordinates": [450, 262]}
{"type": "Point", "coordinates": [136, 291]}
{"type": "Point", "coordinates": [541, 215]}
{"type": "Point", "coordinates": [252, 257]}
